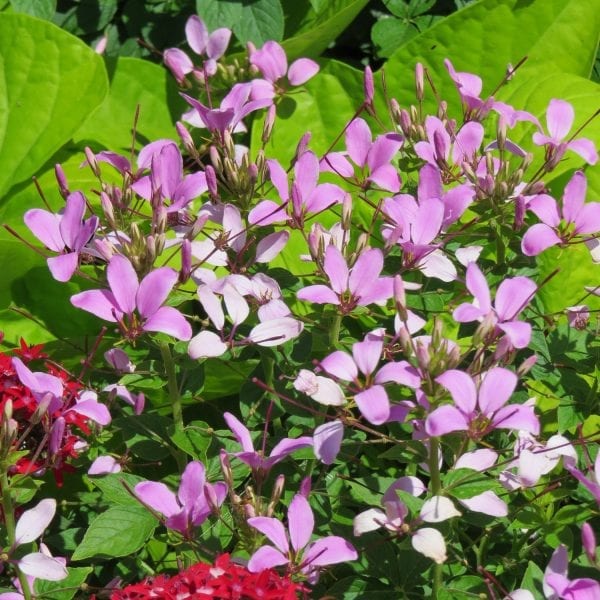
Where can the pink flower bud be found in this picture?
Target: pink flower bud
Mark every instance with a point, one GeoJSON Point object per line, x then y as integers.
{"type": "Point", "coordinates": [419, 81]}
{"type": "Point", "coordinates": [368, 85]}
{"type": "Point", "coordinates": [588, 540]}
{"type": "Point", "coordinates": [61, 180]}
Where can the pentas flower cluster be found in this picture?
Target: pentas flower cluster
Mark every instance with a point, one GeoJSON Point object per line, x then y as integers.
{"type": "Point", "coordinates": [419, 337]}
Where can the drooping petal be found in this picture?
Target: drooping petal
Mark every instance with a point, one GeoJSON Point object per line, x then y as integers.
{"type": "Point", "coordinates": [101, 303]}
{"type": "Point", "coordinates": [319, 294]}
{"type": "Point", "coordinates": [285, 447]}
{"type": "Point", "coordinates": [374, 404]}
{"type": "Point", "coordinates": [266, 557]}
{"type": "Point", "coordinates": [240, 431]}
{"type": "Point", "coordinates": [170, 321]}
{"type": "Point", "coordinates": [63, 266]}
{"type": "Point", "coordinates": [206, 344]}
{"type": "Point", "coordinates": [478, 460]}
{"type": "Point", "coordinates": [496, 388]}
{"type": "Point", "coordinates": [41, 566]}
{"type": "Point", "coordinates": [273, 529]}
{"type": "Point", "coordinates": [104, 465]}
{"type": "Point", "coordinates": [271, 245]}
{"type": "Point", "coordinates": [302, 70]}
{"type": "Point", "coordinates": [301, 522]}
{"type": "Point", "coordinates": [154, 289]}
{"type": "Point", "coordinates": [45, 226]}
{"type": "Point", "coordinates": [369, 520]}
{"type": "Point", "coordinates": [517, 417]}
{"type": "Point", "coordinates": [586, 149]}
{"type": "Point", "coordinates": [402, 373]}
{"type": "Point", "coordinates": [93, 410]}
{"type": "Point", "coordinates": [276, 331]}
{"type": "Point", "coordinates": [158, 497]}
{"type": "Point", "coordinates": [446, 419]}
{"type": "Point", "coordinates": [462, 389]}
{"type": "Point", "coordinates": [178, 62]}
{"type": "Point", "coordinates": [327, 441]}
{"type": "Point", "coordinates": [487, 503]}
{"type": "Point", "coordinates": [546, 209]}
{"type": "Point", "coordinates": [518, 332]}
{"type": "Point", "coordinates": [123, 282]}
{"type": "Point", "coordinates": [33, 522]}
{"type": "Point", "coordinates": [430, 543]}
{"type": "Point", "coordinates": [329, 551]}
{"type": "Point", "coordinates": [558, 565]}
{"type": "Point", "coordinates": [588, 219]}
{"type": "Point", "coordinates": [438, 509]}
{"type": "Point", "coordinates": [538, 238]}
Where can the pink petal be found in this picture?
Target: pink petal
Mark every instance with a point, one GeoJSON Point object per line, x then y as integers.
{"type": "Point", "coordinates": [101, 303]}
{"type": "Point", "coordinates": [104, 465]}
{"type": "Point", "coordinates": [365, 271]}
{"type": "Point", "coordinates": [196, 34]}
{"type": "Point", "coordinates": [276, 331]}
{"type": "Point", "coordinates": [430, 543]}
{"type": "Point", "coordinates": [241, 433]}
{"type": "Point", "coordinates": [340, 365]}
{"type": "Point", "coordinates": [154, 289]}
{"type": "Point", "coordinates": [408, 483]}
{"type": "Point", "coordinates": [518, 332]}
{"type": "Point", "coordinates": [383, 150]}
{"type": "Point", "coordinates": [512, 297]}
{"type": "Point", "coordinates": [438, 509]}
{"type": "Point", "coordinates": [158, 497]}
{"type": "Point", "coordinates": [267, 212]}
{"type": "Point", "coordinates": [358, 141]}
{"type": "Point", "coordinates": [477, 285]}
{"type": "Point", "coordinates": [301, 522]}
{"type": "Point", "coordinates": [70, 224]}
{"type": "Point", "coordinates": [329, 551]}
{"type": "Point", "coordinates": [559, 117]}
{"type": "Point", "coordinates": [279, 178]}
{"type": "Point", "coordinates": [206, 344]}
{"type": "Point", "coordinates": [538, 238]}
{"type": "Point", "coordinates": [461, 388]}
{"type": "Point", "coordinates": [271, 245]}
{"type": "Point", "coordinates": [496, 389]}
{"type": "Point", "coordinates": [63, 266]}
{"type": "Point", "coordinates": [237, 307]}
{"type": "Point", "coordinates": [402, 373]}
{"type": "Point", "coordinates": [306, 173]}
{"type": "Point", "coordinates": [123, 282]}
{"type": "Point", "coordinates": [465, 313]}
{"type": "Point", "coordinates": [366, 354]}
{"type": "Point", "coordinates": [588, 219]}
{"type": "Point", "coordinates": [33, 522]}
{"type": "Point", "coordinates": [41, 566]}
{"type": "Point", "coordinates": [369, 520]}
{"type": "Point", "coordinates": [191, 486]}
{"type": "Point", "coordinates": [270, 60]}
{"type": "Point", "coordinates": [336, 269]}
{"type": "Point", "coordinates": [327, 441]}
{"type": "Point", "coordinates": [273, 529]}
{"type": "Point", "coordinates": [217, 43]}
{"type": "Point", "coordinates": [387, 178]}
{"type": "Point", "coordinates": [212, 306]}
{"type": "Point", "coordinates": [478, 460]}
{"type": "Point", "coordinates": [93, 410]}
{"type": "Point", "coordinates": [302, 70]}
{"type": "Point", "coordinates": [446, 419]}
{"type": "Point", "coordinates": [586, 149]}
{"type": "Point", "coordinates": [266, 558]}
{"type": "Point", "coordinates": [336, 162]}
{"type": "Point", "coordinates": [324, 196]}
{"type": "Point", "coordinates": [170, 321]}
{"type": "Point", "coordinates": [285, 447]}
{"type": "Point", "coordinates": [467, 142]}
{"type": "Point", "coordinates": [545, 208]}
{"type": "Point", "coordinates": [45, 226]}
{"type": "Point", "coordinates": [487, 503]}
{"type": "Point", "coordinates": [374, 404]}
{"type": "Point", "coordinates": [178, 62]}
{"type": "Point", "coordinates": [517, 417]}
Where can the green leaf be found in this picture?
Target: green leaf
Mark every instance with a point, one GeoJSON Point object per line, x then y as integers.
{"type": "Point", "coordinates": [257, 21]}
{"type": "Point", "coordinates": [194, 439]}
{"type": "Point", "coordinates": [389, 34]}
{"type": "Point", "coordinates": [119, 531]}
{"type": "Point", "coordinates": [64, 589]}
{"type": "Point", "coordinates": [318, 29]}
{"type": "Point", "coordinates": [488, 35]}
{"type": "Point", "coordinates": [42, 9]}
{"type": "Point", "coordinates": [49, 82]}
{"type": "Point", "coordinates": [134, 82]}
{"type": "Point", "coordinates": [113, 490]}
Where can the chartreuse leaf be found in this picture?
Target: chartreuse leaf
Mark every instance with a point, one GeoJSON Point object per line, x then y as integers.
{"type": "Point", "coordinates": [49, 83]}
{"type": "Point", "coordinates": [486, 36]}
{"type": "Point", "coordinates": [134, 82]}
{"type": "Point", "coordinates": [64, 589]}
{"type": "Point", "coordinates": [119, 531]}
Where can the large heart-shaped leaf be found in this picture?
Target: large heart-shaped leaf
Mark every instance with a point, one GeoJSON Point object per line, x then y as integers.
{"type": "Point", "coordinates": [49, 82]}
{"type": "Point", "coordinates": [134, 82]}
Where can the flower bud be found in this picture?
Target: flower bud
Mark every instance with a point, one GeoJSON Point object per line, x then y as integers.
{"type": "Point", "coordinates": [186, 261]}
{"type": "Point", "coordinates": [302, 145]}
{"type": "Point", "coordinates": [56, 435]}
{"type": "Point", "coordinates": [519, 212]}
{"type": "Point", "coordinates": [186, 138]}
{"type": "Point", "coordinates": [588, 540]}
{"type": "Point", "coordinates": [400, 298]}
{"type": "Point", "coordinates": [368, 86]}
{"type": "Point", "coordinates": [91, 159]}
{"type": "Point", "coordinates": [211, 499]}
{"type": "Point", "coordinates": [347, 212]}
{"type": "Point", "coordinates": [61, 179]}
{"type": "Point", "coordinates": [419, 82]}
{"type": "Point", "coordinates": [268, 124]}
{"type": "Point", "coordinates": [526, 365]}
{"type": "Point", "coordinates": [226, 469]}
{"type": "Point", "coordinates": [215, 159]}
{"type": "Point", "coordinates": [405, 122]}
{"type": "Point", "coordinates": [41, 409]}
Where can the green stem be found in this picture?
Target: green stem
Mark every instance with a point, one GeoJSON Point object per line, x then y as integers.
{"type": "Point", "coordinates": [334, 330]}
{"type": "Point", "coordinates": [174, 397]}
{"type": "Point", "coordinates": [9, 522]}
{"type": "Point", "coordinates": [436, 487]}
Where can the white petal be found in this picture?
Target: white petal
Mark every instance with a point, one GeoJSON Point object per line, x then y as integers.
{"type": "Point", "coordinates": [430, 543]}
{"type": "Point", "coordinates": [34, 521]}
{"type": "Point", "coordinates": [40, 566]}
{"type": "Point", "coordinates": [369, 520]}
{"type": "Point", "coordinates": [438, 509]}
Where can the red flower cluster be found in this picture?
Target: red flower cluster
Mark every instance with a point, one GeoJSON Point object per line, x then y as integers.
{"type": "Point", "coordinates": [224, 580]}
{"type": "Point", "coordinates": [33, 456]}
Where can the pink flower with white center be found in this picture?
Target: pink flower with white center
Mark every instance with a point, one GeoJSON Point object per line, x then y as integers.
{"type": "Point", "coordinates": [30, 526]}
{"type": "Point", "coordinates": [372, 157]}
{"type": "Point", "coordinates": [295, 549]}
{"type": "Point", "coordinates": [557, 586]}
{"type": "Point", "coordinates": [578, 218]}
{"type": "Point", "coordinates": [67, 233]}
{"type": "Point", "coordinates": [479, 410]}
{"type": "Point", "coordinates": [193, 503]}
{"type": "Point", "coordinates": [425, 540]}
{"type": "Point", "coordinates": [440, 147]}
{"type": "Point", "coordinates": [256, 460]}
{"type": "Point", "coordinates": [304, 196]}
{"type": "Point", "coordinates": [272, 62]}
{"type": "Point", "coordinates": [361, 370]}
{"type": "Point", "coordinates": [512, 296]}
{"type": "Point", "coordinates": [360, 285]}
{"type": "Point", "coordinates": [136, 306]}
{"type": "Point", "coordinates": [559, 119]}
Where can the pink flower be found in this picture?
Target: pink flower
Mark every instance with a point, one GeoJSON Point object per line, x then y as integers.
{"type": "Point", "coordinates": [559, 118]}
{"type": "Point", "coordinates": [557, 586]}
{"type": "Point", "coordinates": [479, 411]}
{"type": "Point", "coordinates": [136, 306]}
{"type": "Point", "coordinates": [578, 218]}
{"type": "Point", "coordinates": [295, 549]}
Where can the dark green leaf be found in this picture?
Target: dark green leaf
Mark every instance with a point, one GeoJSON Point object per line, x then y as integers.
{"type": "Point", "coordinates": [64, 589]}
{"type": "Point", "coordinates": [42, 9]}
